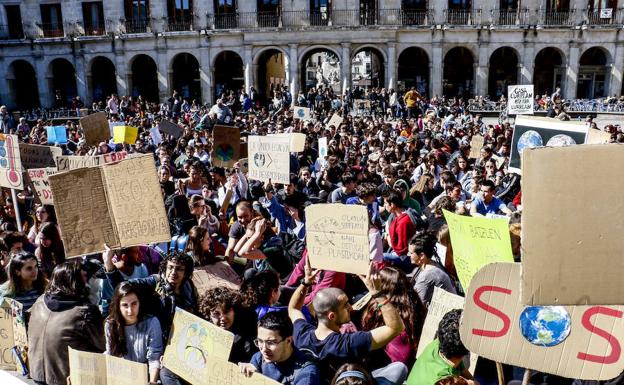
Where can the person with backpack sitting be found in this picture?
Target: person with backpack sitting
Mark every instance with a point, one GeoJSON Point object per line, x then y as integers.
{"type": "Point", "coordinates": [399, 231]}
{"type": "Point", "coordinates": [278, 358]}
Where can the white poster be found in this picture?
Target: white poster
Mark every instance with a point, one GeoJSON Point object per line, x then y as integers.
{"type": "Point", "coordinates": [322, 147]}
{"type": "Point", "coordinates": [520, 99]}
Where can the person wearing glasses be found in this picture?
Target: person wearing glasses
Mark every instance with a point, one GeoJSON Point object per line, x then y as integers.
{"type": "Point", "coordinates": [278, 359]}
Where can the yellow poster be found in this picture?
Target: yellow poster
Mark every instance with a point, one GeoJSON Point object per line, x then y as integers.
{"type": "Point", "coordinates": [193, 340]}
{"type": "Point", "coordinates": [477, 242]}
{"type": "Point", "coordinates": [125, 134]}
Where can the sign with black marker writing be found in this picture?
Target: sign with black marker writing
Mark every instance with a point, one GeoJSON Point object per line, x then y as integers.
{"type": "Point", "coordinates": [87, 368]}
{"type": "Point", "coordinates": [36, 156]}
{"type": "Point", "coordinates": [269, 158]}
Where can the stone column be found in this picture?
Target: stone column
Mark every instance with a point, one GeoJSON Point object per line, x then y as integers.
{"type": "Point", "coordinates": [392, 66]}
{"type": "Point", "coordinates": [482, 72]}
{"type": "Point", "coordinates": [572, 70]}
{"type": "Point", "coordinates": [5, 93]}
{"type": "Point", "coordinates": [205, 75]}
{"type": "Point", "coordinates": [121, 74]}
{"type": "Point", "coordinates": [615, 77]}
{"type": "Point", "coordinates": [293, 68]}
{"type": "Point", "coordinates": [345, 66]}
{"type": "Point", "coordinates": [43, 82]}
{"type": "Point", "coordinates": [526, 61]}
{"type": "Point", "coordinates": [163, 74]}
{"type": "Point", "coordinates": [81, 79]}
{"type": "Point", "coordinates": [248, 64]}
{"type": "Point", "coordinates": [436, 66]}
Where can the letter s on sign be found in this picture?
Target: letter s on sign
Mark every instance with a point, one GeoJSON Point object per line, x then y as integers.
{"type": "Point", "coordinates": [616, 349]}
{"type": "Point", "coordinates": [506, 321]}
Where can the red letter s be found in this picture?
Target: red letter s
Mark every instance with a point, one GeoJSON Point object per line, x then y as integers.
{"type": "Point", "coordinates": [616, 349]}
{"type": "Point", "coordinates": [506, 321]}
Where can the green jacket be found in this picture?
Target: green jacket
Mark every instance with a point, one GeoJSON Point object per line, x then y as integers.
{"type": "Point", "coordinates": [430, 367]}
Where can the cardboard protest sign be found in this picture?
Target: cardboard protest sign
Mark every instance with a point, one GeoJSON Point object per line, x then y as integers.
{"type": "Point", "coordinates": [95, 128]}
{"type": "Point", "coordinates": [244, 165]}
{"type": "Point", "coordinates": [193, 344]}
{"type": "Point", "coordinates": [12, 332]}
{"type": "Point", "coordinates": [337, 237]}
{"type": "Point", "coordinates": [531, 132]}
{"type": "Point", "coordinates": [125, 134]}
{"type": "Point", "coordinates": [269, 158]}
{"type": "Point", "coordinates": [220, 371]}
{"type": "Point", "coordinates": [66, 163]}
{"type": "Point", "coordinates": [476, 144]}
{"type": "Point", "coordinates": [36, 156]}
{"type": "Point", "coordinates": [597, 137]}
{"type": "Point", "coordinates": [297, 140]}
{"type": "Point", "coordinates": [582, 342]}
{"type": "Point", "coordinates": [170, 128]}
{"type": "Point", "coordinates": [520, 99]}
{"type": "Point", "coordinates": [39, 180]}
{"type": "Point", "coordinates": [156, 136]}
{"type": "Point", "coordinates": [336, 121]}
{"type": "Point", "coordinates": [226, 148]}
{"type": "Point", "coordinates": [56, 134]}
{"type": "Point", "coordinates": [302, 113]}
{"type": "Point", "coordinates": [322, 147]}
{"type": "Point", "coordinates": [219, 274]}
{"type": "Point", "coordinates": [476, 242]}
{"type": "Point", "coordinates": [87, 368]}
{"type": "Point", "coordinates": [572, 231]}
{"type": "Point", "coordinates": [10, 163]}
{"type": "Point", "coordinates": [441, 303]}
{"type": "Point", "coordinates": [118, 204]}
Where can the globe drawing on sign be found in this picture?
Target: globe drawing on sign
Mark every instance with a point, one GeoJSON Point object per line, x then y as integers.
{"type": "Point", "coordinates": [560, 140]}
{"type": "Point", "coordinates": [300, 113]}
{"type": "Point", "coordinates": [529, 139]}
{"type": "Point", "coordinates": [225, 152]}
{"type": "Point", "coordinates": [259, 159]}
{"type": "Point", "coordinates": [545, 325]}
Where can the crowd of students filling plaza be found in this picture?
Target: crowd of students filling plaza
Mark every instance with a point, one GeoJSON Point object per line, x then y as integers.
{"type": "Point", "coordinates": [368, 238]}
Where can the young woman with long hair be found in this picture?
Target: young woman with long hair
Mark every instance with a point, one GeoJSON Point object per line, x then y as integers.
{"type": "Point", "coordinates": [131, 334]}
{"type": "Point", "coordinates": [200, 246]}
{"type": "Point", "coordinates": [43, 214]}
{"type": "Point", "coordinates": [25, 283]}
{"type": "Point", "coordinates": [50, 252]}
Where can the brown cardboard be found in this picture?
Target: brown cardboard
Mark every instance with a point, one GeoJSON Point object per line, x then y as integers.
{"type": "Point", "coordinates": [591, 351]}
{"type": "Point", "coordinates": [117, 204]}
{"type": "Point", "coordinates": [572, 226]}
{"type": "Point", "coordinates": [12, 332]}
{"type": "Point", "coordinates": [476, 143]}
{"type": "Point", "coordinates": [71, 162]}
{"type": "Point", "coordinates": [597, 137]}
{"type": "Point", "coordinates": [337, 237]}
{"type": "Point", "coordinates": [94, 368]}
{"type": "Point", "coordinates": [269, 158]}
{"type": "Point", "coordinates": [36, 156]}
{"type": "Point", "coordinates": [95, 128]}
{"type": "Point", "coordinates": [225, 148]}
{"type": "Point", "coordinates": [219, 274]}
{"type": "Point", "coordinates": [39, 180]}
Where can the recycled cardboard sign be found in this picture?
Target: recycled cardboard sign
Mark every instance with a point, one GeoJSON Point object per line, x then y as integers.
{"type": "Point", "coordinates": [337, 237]}
{"type": "Point", "coordinates": [222, 372]}
{"type": "Point", "coordinates": [193, 344]}
{"type": "Point", "coordinates": [302, 113]}
{"type": "Point", "coordinates": [582, 342]}
{"type": "Point", "coordinates": [520, 99]}
{"type": "Point", "coordinates": [170, 128]}
{"type": "Point", "coordinates": [67, 163]}
{"type": "Point", "coordinates": [39, 180]}
{"type": "Point", "coordinates": [476, 144]}
{"type": "Point", "coordinates": [10, 163]}
{"type": "Point", "coordinates": [597, 136]}
{"type": "Point", "coordinates": [269, 158]}
{"type": "Point", "coordinates": [441, 303]}
{"type": "Point", "coordinates": [297, 140]}
{"type": "Point", "coordinates": [118, 204]}
{"type": "Point", "coordinates": [531, 132]}
{"type": "Point", "coordinates": [476, 242]}
{"type": "Point", "coordinates": [219, 274]}
{"type": "Point", "coordinates": [125, 134]}
{"type": "Point", "coordinates": [226, 148]}
{"type": "Point", "coordinates": [56, 134]}
{"type": "Point", "coordinates": [95, 128]}
{"type": "Point", "coordinates": [336, 121]}
{"type": "Point", "coordinates": [36, 156]}
{"type": "Point", "coordinates": [572, 226]}
{"type": "Point", "coordinates": [87, 368]}
{"type": "Point", "coordinates": [322, 147]}
{"type": "Point", "coordinates": [12, 333]}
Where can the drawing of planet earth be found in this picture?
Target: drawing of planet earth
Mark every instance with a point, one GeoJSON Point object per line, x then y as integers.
{"type": "Point", "coordinates": [529, 139]}
{"type": "Point", "coordinates": [300, 113]}
{"type": "Point", "coordinates": [225, 152]}
{"type": "Point", "coordinates": [560, 140]}
{"type": "Point", "coordinates": [545, 325]}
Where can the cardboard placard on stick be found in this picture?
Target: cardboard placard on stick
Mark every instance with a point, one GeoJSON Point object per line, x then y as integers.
{"type": "Point", "coordinates": [582, 342]}
{"type": "Point", "coordinates": [125, 134]}
{"type": "Point", "coordinates": [336, 121]}
{"type": "Point", "coordinates": [559, 233]}
{"type": "Point", "coordinates": [12, 332]}
{"type": "Point", "coordinates": [10, 163]}
{"type": "Point", "coordinates": [597, 137]}
{"type": "Point", "coordinates": [302, 113]}
{"type": "Point", "coordinates": [322, 147]}
{"type": "Point", "coordinates": [225, 148]}
{"type": "Point", "coordinates": [476, 144]}
{"type": "Point", "coordinates": [219, 274]}
{"type": "Point", "coordinates": [39, 179]}
{"type": "Point", "coordinates": [269, 158]}
{"type": "Point", "coordinates": [118, 204]}
{"type": "Point", "coordinates": [193, 344]}
{"type": "Point", "coordinates": [71, 162]}
{"type": "Point", "coordinates": [222, 372]}
{"type": "Point", "coordinates": [87, 368]}
{"type": "Point", "coordinates": [170, 128]}
{"type": "Point", "coordinates": [56, 134]}
{"type": "Point", "coordinates": [532, 132]}
{"type": "Point", "coordinates": [476, 242]}
{"type": "Point", "coordinates": [95, 128]}
{"type": "Point", "coordinates": [337, 237]}
{"type": "Point", "coordinates": [36, 156]}
{"type": "Point", "coordinates": [520, 99]}
{"type": "Point", "coordinates": [297, 140]}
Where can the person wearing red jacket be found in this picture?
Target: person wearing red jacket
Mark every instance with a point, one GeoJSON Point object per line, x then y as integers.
{"type": "Point", "coordinates": [399, 232]}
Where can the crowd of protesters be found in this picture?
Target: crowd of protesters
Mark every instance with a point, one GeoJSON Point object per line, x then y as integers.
{"type": "Point", "coordinates": [291, 323]}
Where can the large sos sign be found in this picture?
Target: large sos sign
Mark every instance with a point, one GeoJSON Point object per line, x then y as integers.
{"type": "Point", "coordinates": [494, 325]}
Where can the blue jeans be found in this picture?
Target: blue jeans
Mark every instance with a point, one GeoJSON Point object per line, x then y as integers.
{"type": "Point", "coordinates": [402, 262]}
{"type": "Point", "coordinates": [393, 374]}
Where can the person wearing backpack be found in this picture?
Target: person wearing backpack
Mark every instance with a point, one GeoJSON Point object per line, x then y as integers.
{"type": "Point", "coordinates": [278, 358]}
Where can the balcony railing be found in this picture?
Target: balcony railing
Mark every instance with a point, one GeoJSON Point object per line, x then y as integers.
{"type": "Point", "coordinates": [603, 17]}
{"type": "Point", "coordinates": [180, 25]}
{"type": "Point", "coordinates": [137, 26]}
{"type": "Point", "coordinates": [558, 18]}
{"type": "Point", "coordinates": [463, 16]}
{"type": "Point", "coordinates": [52, 30]}
{"type": "Point", "coordinates": [416, 17]}
{"type": "Point", "coordinates": [7, 33]}
{"type": "Point", "coordinates": [94, 30]}
{"type": "Point", "coordinates": [223, 21]}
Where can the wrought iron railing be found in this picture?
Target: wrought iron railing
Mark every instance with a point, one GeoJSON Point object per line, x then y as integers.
{"type": "Point", "coordinates": [463, 16]}
{"type": "Point", "coordinates": [52, 30]}
{"type": "Point", "coordinates": [137, 26]}
{"type": "Point", "coordinates": [8, 33]}
{"type": "Point", "coordinates": [557, 18]}
{"type": "Point", "coordinates": [610, 16]}
{"type": "Point", "coordinates": [180, 25]}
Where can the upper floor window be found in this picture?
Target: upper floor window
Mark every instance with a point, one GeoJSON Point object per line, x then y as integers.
{"type": "Point", "coordinates": [414, 5]}
{"type": "Point", "coordinates": [137, 10]}
{"type": "Point", "coordinates": [557, 5]}
{"type": "Point", "coordinates": [51, 20]}
{"type": "Point", "coordinates": [597, 5]}
{"type": "Point", "coordinates": [93, 18]}
{"type": "Point", "coordinates": [14, 18]}
{"type": "Point", "coordinates": [272, 6]}
{"type": "Point", "coordinates": [508, 5]}
{"type": "Point", "coordinates": [224, 6]}
{"type": "Point", "coordinates": [460, 4]}
{"type": "Point", "coordinates": [180, 11]}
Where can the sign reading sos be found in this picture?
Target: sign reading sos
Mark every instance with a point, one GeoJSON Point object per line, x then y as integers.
{"type": "Point", "coordinates": [491, 328]}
